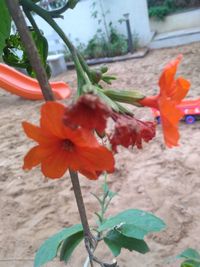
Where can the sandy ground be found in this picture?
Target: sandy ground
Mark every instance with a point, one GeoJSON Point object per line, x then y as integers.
{"type": "Point", "coordinates": [155, 179]}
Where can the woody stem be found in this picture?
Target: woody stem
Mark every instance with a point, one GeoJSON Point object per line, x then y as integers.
{"type": "Point", "coordinates": [17, 15]}
{"type": "Point", "coordinates": [90, 241]}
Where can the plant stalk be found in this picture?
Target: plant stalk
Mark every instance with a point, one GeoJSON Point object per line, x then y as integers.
{"type": "Point", "coordinates": [33, 55]}
{"type": "Point", "coordinates": [82, 77]}
{"type": "Point", "coordinates": [90, 241]}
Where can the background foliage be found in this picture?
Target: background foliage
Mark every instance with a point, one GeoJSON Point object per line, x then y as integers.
{"type": "Point", "coordinates": [159, 8]}
{"type": "Point", "coordinates": [99, 47]}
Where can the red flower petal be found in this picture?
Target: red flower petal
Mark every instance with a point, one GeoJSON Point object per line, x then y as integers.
{"type": "Point", "coordinates": [182, 87]}
{"type": "Point", "coordinates": [35, 156]}
{"type": "Point", "coordinates": [32, 158]}
{"type": "Point", "coordinates": [35, 133]}
{"type": "Point", "coordinates": [167, 77]}
{"type": "Point", "coordinates": [130, 131]}
{"type": "Point", "coordinates": [83, 137]}
{"type": "Point", "coordinates": [51, 123]}
{"type": "Point", "coordinates": [55, 165]}
{"type": "Point", "coordinates": [100, 158]}
{"type": "Point", "coordinates": [92, 175]}
{"type": "Point", "coordinates": [88, 112]}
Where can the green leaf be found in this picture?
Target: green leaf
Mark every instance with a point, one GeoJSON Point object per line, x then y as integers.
{"type": "Point", "coordinates": [107, 191]}
{"type": "Point", "coordinates": [42, 47]}
{"type": "Point", "coordinates": [98, 216]}
{"type": "Point", "coordinates": [49, 248]}
{"type": "Point", "coordinates": [104, 69]}
{"type": "Point", "coordinates": [12, 50]}
{"type": "Point", "coordinates": [69, 245]}
{"type": "Point", "coordinates": [97, 198]}
{"type": "Point", "coordinates": [133, 223]}
{"type": "Point", "coordinates": [5, 22]}
{"type": "Point", "coordinates": [190, 263]}
{"type": "Point", "coordinates": [190, 254]}
{"type": "Point", "coordinates": [108, 79]}
{"type": "Point", "coordinates": [116, 241]}
{"type": "Point", "coordinates": [14, 53]}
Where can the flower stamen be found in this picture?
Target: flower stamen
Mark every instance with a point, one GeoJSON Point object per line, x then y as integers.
{"type": "Point", "coordinates": [68, 145]}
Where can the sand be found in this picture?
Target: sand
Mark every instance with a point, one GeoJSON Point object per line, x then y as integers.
{"type": "Point", "coordinates": [163, 181]}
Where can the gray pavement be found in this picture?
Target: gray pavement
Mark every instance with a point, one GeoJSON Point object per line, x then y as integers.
{"type": "Point", "coordinates": [175, 38]}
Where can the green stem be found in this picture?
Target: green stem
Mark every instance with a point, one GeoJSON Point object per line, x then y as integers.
{"type": "Point", "coordinates": [84, 64]}
{"type": "Point", "coordinates": [123, 109]}
{"type": "Point", "coordinates": [31, 20]}
{"type": "Point", "coordinates": [103, 209]}
{"type": "Point", "coordinates": [82, 77]}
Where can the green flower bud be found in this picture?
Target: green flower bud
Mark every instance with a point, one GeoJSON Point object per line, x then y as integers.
{"type": "Point", "coordinates": [130, 97]}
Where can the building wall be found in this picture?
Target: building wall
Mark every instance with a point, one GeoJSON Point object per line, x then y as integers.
{"type": "Point", "coordinates": [180, 21]}
{"type": "Point", "coordinates": [78, 23]}
{"type": "Point", "coordinates": [138, 15]}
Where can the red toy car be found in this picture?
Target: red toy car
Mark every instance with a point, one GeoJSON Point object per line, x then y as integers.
{"type": "Point", "coordinates": [191, 109]}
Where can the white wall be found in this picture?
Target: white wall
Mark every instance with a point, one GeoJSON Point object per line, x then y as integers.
{"type": "Point", "coordinates": [179, 21]}
{"type": "Point", "coordinates": [139, 18]}
{"type": "Point", "coordinates": [78, 23]}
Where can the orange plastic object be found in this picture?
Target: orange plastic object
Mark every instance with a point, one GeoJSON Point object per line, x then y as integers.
{"type": "Point", "coordinates": [19, 84]}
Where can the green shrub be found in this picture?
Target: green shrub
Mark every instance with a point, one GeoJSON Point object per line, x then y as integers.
{"type": "Point", "coordinates": [96, 47]}
{"type": "Point", "coordinates": [174, 3]}
{"type": "Point", "coordinates": [99, 46]}
{"type": "Point", "coordinates": [159, 12]}
{"type": "Point", "coordinates": [171, 4]}
{"type": "Point", "coordinates": [159, 8]}
{"type": "Point", "coordinates": [153, 3]}
{"type": "Point", "coordinates": [118, 43]}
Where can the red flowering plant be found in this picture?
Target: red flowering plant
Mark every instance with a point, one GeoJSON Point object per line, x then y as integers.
{"type": "Point", "coordinates": [69, 138]}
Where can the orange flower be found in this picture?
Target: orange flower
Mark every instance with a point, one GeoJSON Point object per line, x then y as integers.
{"type": "Point", "coordinates": [172, 91]}
{"type": "Point", "coordinates": [61, 148]}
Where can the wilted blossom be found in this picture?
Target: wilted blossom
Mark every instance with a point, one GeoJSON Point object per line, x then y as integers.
{"type": "Point", "coordinates": [128, 131]}
{"type": "Point", "coordinates": [88, 112]}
